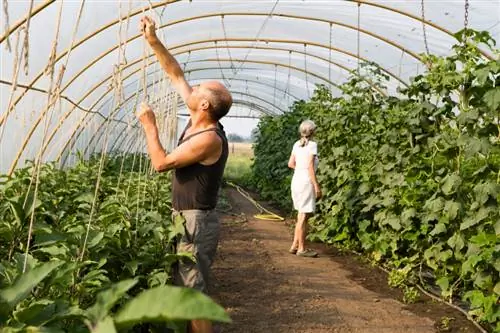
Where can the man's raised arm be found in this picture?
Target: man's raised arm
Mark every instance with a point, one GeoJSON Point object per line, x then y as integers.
{"type": "Point", "coordinates": [167, 61]}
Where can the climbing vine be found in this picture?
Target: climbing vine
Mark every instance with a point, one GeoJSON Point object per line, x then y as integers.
{"type": "Point", "coordinates": [413, 181]}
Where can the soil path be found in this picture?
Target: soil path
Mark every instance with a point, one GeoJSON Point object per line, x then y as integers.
{"type": "Point", "coordinates": [266, 289]}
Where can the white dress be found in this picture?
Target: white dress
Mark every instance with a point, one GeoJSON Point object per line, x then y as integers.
{"type": "Point", "coordinates": [303, 195]}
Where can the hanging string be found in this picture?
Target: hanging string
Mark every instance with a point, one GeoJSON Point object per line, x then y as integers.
{"type": "Point", "coordinates": [38, 161]}
{"type": "Point", "coordinates": [227, 44]}
{"type": "Point", "coordinates": [187, 61]}
{"type": "Point", "coordinates": [26, 39]}
{"type": "Point", "coordinates": [17, 67]}
{"type": "Point", "coordinates": [359, 35]}
{"type": "Point", "coordinates": [6, 24]}
{"type": "Point", "coordinates": [466, 22]}
{"type": "Point", "coordinates": [400, 65]}
{"type": "Point", "coordinates": [305, 70]}
{"type": "Point", "coordinates": [287, 89]}
{"type": "Point", "coordinates": [116, 103]}
{"type": "Point", "coordinates": [256, 37]}
{"type": "Point", "coordinates": [275, 82]}
{"type": "Point", "coordinates": [424, 27]}
{"type": "Point", "coordinates": [226, 81]}
{"type": "Point", "coordinates": [330, 55]}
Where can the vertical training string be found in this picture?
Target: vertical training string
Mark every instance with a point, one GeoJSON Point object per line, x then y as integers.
{"type": "Point", "coordinates": [17, 67]}
{"type": "Point", "coordinates": [6, 24]}
{"type": "Point", "coordinates": [424, 30]}
{"type": "Point", "coordinates": [26, 39]}
{"type": "Point", "coordinates": [227, 44]}
{"type": "Point", "coordinates": [330, 56]}
{"type": "Point", "coordinates": [359, 35]}
{"type": "Point", "coordinates": [305, 71]}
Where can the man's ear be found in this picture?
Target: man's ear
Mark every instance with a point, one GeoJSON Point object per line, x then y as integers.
{"type": "Point", "coordinates": [205, 105]}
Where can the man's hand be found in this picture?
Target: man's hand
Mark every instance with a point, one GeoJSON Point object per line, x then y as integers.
{"type": "Point", "coordinates": [148, 29]}
{"type": "Point", "coordinates": [146, 115]}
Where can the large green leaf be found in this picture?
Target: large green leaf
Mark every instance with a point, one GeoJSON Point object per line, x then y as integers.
{"type": "Point", "coordinates": [492, 99]}
{"type": "Point", "coordinates": [107, 299]}
{"type": "Point", "coordinates": [26, 282]}
{"type": "Point", "coordinates": [104, 326]}
{"type": "Point", "coordinates": [170, 303]}
{"type": "Point", "coordinates": [496, 289]}
{"type": "Point", "coordinates": [451, 183]}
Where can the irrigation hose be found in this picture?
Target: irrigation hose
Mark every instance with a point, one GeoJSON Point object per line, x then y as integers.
{"type": "Point", "coordinates": [270, 216]}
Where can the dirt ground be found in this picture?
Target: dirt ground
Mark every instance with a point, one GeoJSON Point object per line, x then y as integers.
{"type": "Point", "coordinates": [266, 289]}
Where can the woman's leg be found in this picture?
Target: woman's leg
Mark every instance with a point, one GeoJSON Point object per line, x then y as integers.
{"type": "Point", "coordinates": [301, 231]}
{"type": "Point", "coordinates": [297, 232]}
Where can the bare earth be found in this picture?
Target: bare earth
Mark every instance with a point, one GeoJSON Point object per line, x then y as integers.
{"type": "Point", "coordinates": [266, 289]}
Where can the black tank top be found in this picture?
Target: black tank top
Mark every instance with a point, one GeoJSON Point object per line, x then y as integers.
{"type": "Point", "coordinates": [196, 186]}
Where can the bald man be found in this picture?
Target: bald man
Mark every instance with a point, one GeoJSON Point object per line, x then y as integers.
{"type": "Point", "coordinates": [199, 161]}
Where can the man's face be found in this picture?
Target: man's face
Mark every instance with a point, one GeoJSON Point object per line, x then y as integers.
{"type": "Point", "coordinates": [197, 98]}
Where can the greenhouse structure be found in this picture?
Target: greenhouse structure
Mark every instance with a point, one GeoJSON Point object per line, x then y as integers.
{"type": "Point", "coordinates": [405, 101]}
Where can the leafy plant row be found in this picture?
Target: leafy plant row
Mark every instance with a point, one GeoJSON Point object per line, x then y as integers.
{"type": "Point", "coordinates": [413, 180]}
{"type": "Point", "coordinates": [100, 257]}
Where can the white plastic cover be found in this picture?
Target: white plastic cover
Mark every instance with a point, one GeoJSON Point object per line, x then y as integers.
{"type": "Point", "coordinates": [261, 49]}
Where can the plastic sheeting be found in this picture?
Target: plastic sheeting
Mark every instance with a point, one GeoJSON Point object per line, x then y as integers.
{"type": "Point", "coordinates": [270, 53]}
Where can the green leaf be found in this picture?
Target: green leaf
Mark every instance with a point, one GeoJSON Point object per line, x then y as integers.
{"type": "Point", "coordinates": [106, 299]}
{"type": "Point", "coordinates": [26, 282]}
{"type": "Point", "coordinates": [443, 283]}
{"type": "Point", "coordinates": [471, 221]}
{"type": "Point", "coordinates": [492, 99]}
{"type": "Point", "coordinates": [85, 198]}
{"type": "Point", "coordinates": [451, 208]}
{"type": "Point", "coordinates": [451, 183]}
{"type": "Point", "coordinates": [18, 212]}
{"type": "Point", "coordinates": [496, 289]}
{"type": "Point", "coordinates": [456, 242]}
{"type": "Point", "coordinates": [407, 215]}
{"type": "Point", "coordinates": [168, 303]}
{"type": "Point", "coordinates": [94, 238]}
{"type": "Point", "coordinates": [45, 311]}
{"type": "Point", "coordinates": [33, 329]}
{"type": "Point", "coordinates": [54, 251]}
{"type": "Point", "coordinates": [438, 229]}
{"type": "Point", "coordinates": [105, 326]}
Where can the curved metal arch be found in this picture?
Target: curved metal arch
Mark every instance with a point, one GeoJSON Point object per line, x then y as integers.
{"type": "Point", "coordinates": [363, 2]}
{"type": "Point", "coordinates": [235, 102]}
{"type": "Point", "coordinates": [136, 12]}
{"type": "Point", "coordinates": [259, 62]}
{"type": "Point", "coordinates": [270, 63]}
{"type": "Point", "coordinates": [102, 97]}
{"type": "Point", "coordinates": [232, 92]}
{"type": "Point", "coordinates": [347, 69]}
{"type": "Point", "coordinates": [128, 65]}
{"type": "Point", "coordinates": [61, 121]}
{"type": "Point", "coordinates": [20, 22]}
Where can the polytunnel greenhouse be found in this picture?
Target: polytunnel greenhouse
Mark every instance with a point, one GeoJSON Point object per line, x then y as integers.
{"type": "Point", "coordinates": [403, 103]}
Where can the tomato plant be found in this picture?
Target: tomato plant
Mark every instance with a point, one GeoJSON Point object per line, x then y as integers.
{"type": "Point", "coordinates": [100, 258]}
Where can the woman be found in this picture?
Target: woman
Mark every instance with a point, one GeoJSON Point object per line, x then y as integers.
{"type": "Point", "coordinates": [305, 188]}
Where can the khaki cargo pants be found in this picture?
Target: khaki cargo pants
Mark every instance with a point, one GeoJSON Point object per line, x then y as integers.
{"type": "Point", "coordinates": [201, 237]}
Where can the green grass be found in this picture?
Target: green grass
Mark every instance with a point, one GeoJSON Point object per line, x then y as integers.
{"type": "Point", "coordinates": [238, 167]}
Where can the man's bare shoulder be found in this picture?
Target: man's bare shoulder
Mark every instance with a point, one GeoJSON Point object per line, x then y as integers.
{"type": "Point", "coordinates": [207, 141]}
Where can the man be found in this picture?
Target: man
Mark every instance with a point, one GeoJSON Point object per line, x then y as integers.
{"type": "Point", "coordinates": [199, 161]}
